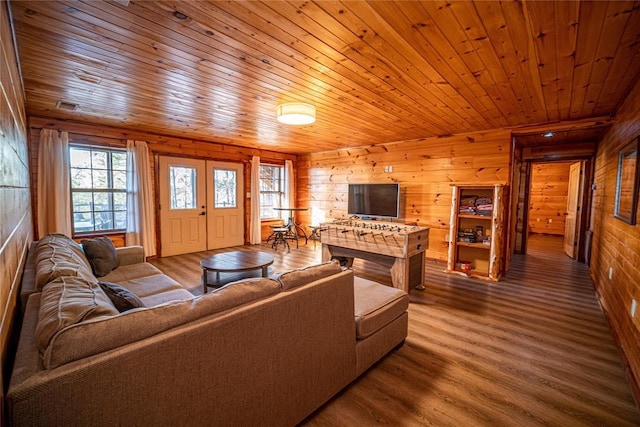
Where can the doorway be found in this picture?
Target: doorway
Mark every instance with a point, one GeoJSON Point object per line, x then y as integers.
{"type": "Point", "coordinates": [555, 203]}
{"type": "Point", "coordinates": [200, 205]}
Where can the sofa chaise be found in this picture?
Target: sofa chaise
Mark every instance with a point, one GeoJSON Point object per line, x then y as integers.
{"type": "Point", "coordinates": [133, 347]}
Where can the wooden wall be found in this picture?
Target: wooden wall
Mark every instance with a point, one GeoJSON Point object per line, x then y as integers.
{"type": "Point", "coordinates": [15, 210]}
{"type": "Point", "coordinates": [425, 168]}
{"type": "Point", "coordinates": [548, 198]}
{"type": "Point", "coordinates": [615, 244]}
{"type": "Point", "coordinates": [158, 145]}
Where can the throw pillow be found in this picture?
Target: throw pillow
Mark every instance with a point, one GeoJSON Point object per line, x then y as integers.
{"type": "Point", "coordinates": [101, 255]}
{"type": "Point", "coordinates": [122, 298]}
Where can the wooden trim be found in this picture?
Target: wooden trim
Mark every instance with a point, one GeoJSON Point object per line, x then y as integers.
{"type": "Point", "coordinates": [565, 125]}
{"type": "Point", "coordinates": [157, 142]}
{"type": "Point", "coordinates": [156, 198]}
{"type": "Point", "coordinates": [585, 208]}
{"type": "Point", "coordinates": [525, 213]}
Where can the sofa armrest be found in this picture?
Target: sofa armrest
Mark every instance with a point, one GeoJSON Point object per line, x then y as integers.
{"type": "Point", "coordinates": [27, 361]}
{"type": "Point", "coordinates": [130, 255]}
{"type": "Point", "coordinates": [28, 281]}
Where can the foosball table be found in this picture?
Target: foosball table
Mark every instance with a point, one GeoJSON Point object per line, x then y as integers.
{"type": "Point", "coordinates": [396, 246]}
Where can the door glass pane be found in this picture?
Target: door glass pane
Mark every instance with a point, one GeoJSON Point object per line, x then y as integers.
{"type": "Point", "coordinates": [224, 183]}
{"type": "Point", "coordinates": [182, 187]}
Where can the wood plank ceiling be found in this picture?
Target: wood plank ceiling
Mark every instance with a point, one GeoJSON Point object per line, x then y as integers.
{"type": "Point", "coordinates": [377, 71]}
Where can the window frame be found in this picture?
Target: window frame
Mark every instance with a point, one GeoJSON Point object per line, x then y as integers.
{"type": "Point", "coordinates": [110, 190]}
{"type": "Point", "coordinates": [279, 192]}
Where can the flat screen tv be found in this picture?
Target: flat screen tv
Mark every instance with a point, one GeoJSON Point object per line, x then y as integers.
{"type": "Point", "coordinates": [374, 200]}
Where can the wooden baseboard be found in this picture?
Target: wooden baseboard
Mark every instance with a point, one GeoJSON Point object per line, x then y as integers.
{"type": "Point", "coordinates": [631, 377]}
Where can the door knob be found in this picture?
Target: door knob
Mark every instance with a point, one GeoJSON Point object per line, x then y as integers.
{"type": "Point", "coordinates": [202, 213]}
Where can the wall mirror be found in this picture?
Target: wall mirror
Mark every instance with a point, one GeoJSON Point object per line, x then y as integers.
{"type": "Point", "coordinates": [627, 184]}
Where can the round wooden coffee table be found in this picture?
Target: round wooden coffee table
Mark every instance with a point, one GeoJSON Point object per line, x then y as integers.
{"type": "Point", "coordinates": [234, 262]}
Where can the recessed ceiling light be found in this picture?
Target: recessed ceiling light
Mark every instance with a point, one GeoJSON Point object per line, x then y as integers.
{"type": "Point", "coordinates": [548, 134]}
{"type": "Point", "coordinates": [180, 15]}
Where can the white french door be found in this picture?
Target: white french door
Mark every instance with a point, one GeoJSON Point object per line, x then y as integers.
{"type": "Point", "coordinates": [200, 205]}
{"type": "Point", "coordinates": [183, 221]}
{"type": "Point", "coordinates": [225, 210]}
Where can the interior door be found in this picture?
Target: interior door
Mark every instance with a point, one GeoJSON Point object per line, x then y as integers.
{"type": "Point", "coordinates": [182, 190]}
{"type": "Point", "coordinates": [573, 195]}
{"type": "Point", "coordinates": [225, 209]}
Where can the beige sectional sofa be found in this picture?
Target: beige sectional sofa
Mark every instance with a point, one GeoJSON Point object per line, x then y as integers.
{"type": "Point", "coordinates": [265, 351]}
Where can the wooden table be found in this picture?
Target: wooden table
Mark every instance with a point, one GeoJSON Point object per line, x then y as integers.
{"type": "Point", "coordinates": [234, 262]}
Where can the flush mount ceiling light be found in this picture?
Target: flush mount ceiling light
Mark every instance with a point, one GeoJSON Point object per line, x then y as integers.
{"type": "Point", "coordinates": [296, 113]}
{"type": "Point", "coordinates": [548, 134]}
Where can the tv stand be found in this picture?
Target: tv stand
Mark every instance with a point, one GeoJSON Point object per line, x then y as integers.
{"type": "Point", "coordinates": [401, 248]}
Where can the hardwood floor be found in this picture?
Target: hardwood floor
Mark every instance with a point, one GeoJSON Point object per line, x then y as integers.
{"type": "Point", "coordinates": [533, 349]}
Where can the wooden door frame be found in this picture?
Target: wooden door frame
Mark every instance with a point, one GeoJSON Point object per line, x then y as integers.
{"type": "Point", "coordinates": [585, 200]}
{"type": "Point", "coordinates": [156, 193]}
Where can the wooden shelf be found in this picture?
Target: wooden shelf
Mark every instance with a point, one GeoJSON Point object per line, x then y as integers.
{"type": "Point", "coordinates": [471, 273]}
{"type": "Point", "coordinates": [474, 245]}
{"type": "Point", "coordinates": [485, 217]}
{"type": "Point", "coordinates": [484, 258]}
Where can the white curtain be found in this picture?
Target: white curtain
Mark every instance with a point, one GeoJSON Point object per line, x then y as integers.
{"type": "Point", "coordinates": [289, 188]}
{"type": "Point", "coordinates": [255, 223]}
{"type": "Point", "coordinates": [140, 208]}
{"type": "Point", "coordinates": [54, 192]}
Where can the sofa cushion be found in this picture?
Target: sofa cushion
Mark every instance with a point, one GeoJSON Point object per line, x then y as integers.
{"type": "Point", "coordinates": [376, 305]}
{"type": "Point", "coordinates": [150, 285]}
{"type": "Point", "coordinates": [122, 298]}
{"type": "Point", "coordinates": [101, 255]}
{"type": "Point", "coordinates": [58, 255]}
{"type": "Point", "coordinates": [131, 272]}
{"type": "Point", "coordinates": [167, 296]}
{"type": "Point", "coordinates": [88, 338]}
{"type": "Point", "coordinates": [67, 301]}
{"type": "Point", "coordinates": [294, 278]}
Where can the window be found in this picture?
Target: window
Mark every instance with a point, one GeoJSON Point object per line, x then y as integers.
{"type": "Point", "coordinates": [98, 189]}
{"type": "Point", "coordinates": [271, 190]}
{"type": "Point", "coordinates": [225, 183]}
{"type": "Point", "coordinates": [182, 183]}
